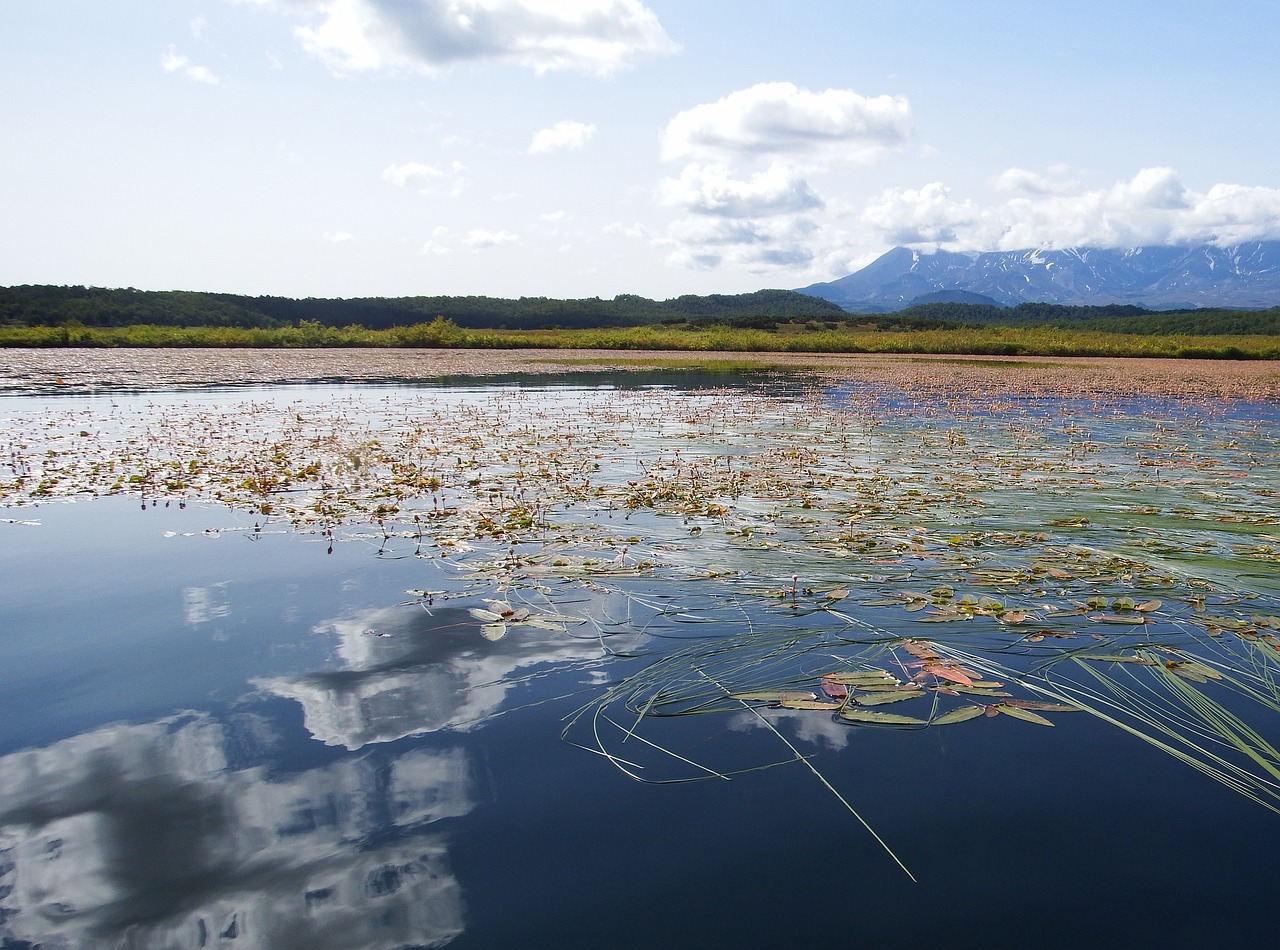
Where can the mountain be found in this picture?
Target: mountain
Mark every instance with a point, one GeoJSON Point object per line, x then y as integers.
{"type": "Point", "coordinates": [1159, 278]}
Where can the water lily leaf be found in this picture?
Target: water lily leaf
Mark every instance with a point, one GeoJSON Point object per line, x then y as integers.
{"type": "Point", "coordinates": [881, 699]}
{"type": "Point", "coordinates": [839, 593]}
{"type": "Point", "coordinates": [773, 695]}
{"type": "Point", "coordinates": [942, 616]}
{"type": "Point", "coordinates": [855, 714]}
{"type": "Point", "coordinates": [1017, 712]}
{"type": "Point", "coordinates": [960, 714]}
{"type": "Point", "coordinates": [1147, 606]}
{"type": "Point", "coordinates": [493, 631]}
{"type": "Point", "coordinates": [1118, 618]}
{"type": "Point", "coordinates": [1014, 616]}
{"type": "Point", "coordinates": [481, 614]}
{"type": "Point", "coordinates": [808, 704]}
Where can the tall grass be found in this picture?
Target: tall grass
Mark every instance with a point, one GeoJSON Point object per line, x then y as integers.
{"type": "Point", "coordinates": [980, 341]}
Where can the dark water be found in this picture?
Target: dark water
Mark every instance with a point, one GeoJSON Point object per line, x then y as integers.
{"type": "Point", "coordinates": [211, 736]}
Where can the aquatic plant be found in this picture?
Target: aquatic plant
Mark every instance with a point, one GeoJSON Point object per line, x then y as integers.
{"type": "Point", "coordinates": [807, 553]}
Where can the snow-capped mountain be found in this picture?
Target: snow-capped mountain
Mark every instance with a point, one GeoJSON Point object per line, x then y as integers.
{"type": "Point", "coordinates": [1159, 278]}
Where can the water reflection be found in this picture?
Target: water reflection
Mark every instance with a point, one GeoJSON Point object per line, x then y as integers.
{"type": "Point", "coordinates": [149, 836]}
{"type": "Point", "coordinates": [407, 671]}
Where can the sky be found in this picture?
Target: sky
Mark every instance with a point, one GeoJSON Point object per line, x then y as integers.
{"type": "Point", "coordinates": [590, 148]}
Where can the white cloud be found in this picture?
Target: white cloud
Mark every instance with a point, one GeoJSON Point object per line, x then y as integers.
{"type": "Point", "coordinates": [712, 189]}
{"type": "Point", "coordinates": [757, 246]}
{"type": "Point", "coordinates": [566, 134]}
{"type": "Point", "coordinates": [480, 240]}
{"type": "Point", "coordinates": [437, 243]}
{"type": "Point", "coordinates": [1022, 180]}
{"type": "Point", "coordinates": [1153, 207]}
{"type": "Point", "coordinates": [780, 119]}
{"type": "Point", "coordinates": [448, 181]}
{"type": "Point", "coordinates": [590, 36]}
{"type": "Point", "coordinates": [338, 237]}
{"type": "Point", "coordinates": [173, 62]}
{"type": "Point", "coordinates": [401, 175]}
{"type": "Point", "coordinates": [926, 215]}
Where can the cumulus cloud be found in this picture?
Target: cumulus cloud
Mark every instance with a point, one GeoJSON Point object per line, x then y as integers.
{"type": "Point", "coordinates": [926, 215]}
{"type": "Point", "coordinates": [1153, 207]}
{"type": "Point", "coordinates": [338, 237]}
{"type": "Point", "coordinates": [1022, 180]}
{"type": "Point", "coordinates": [591, 36]}
{"type": "Point", "coordinates": [781, 119]}
{"type": "Point", "coordinates": [174, 62]}
{"type": "Point", "coordinates": [757, 246]}
{"type": "Point", "coordinates": [566, 134]}
{"type": "Point", "coordinates": [762, 220]}
{"type": "Point", "coordinates": [712, 189]}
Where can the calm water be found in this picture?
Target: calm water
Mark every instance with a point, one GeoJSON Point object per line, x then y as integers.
{"type": "Point", "coordinates": [219, 730]}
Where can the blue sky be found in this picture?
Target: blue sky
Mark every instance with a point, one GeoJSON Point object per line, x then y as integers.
{"type": "Point", "coordinates": [576, 148]}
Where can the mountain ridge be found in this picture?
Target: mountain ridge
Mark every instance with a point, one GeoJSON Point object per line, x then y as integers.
{"type": "Point", "coordinates": [1157, 277]}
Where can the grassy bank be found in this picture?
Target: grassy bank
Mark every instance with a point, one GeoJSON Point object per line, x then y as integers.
{"type": "Point", "coordinates": [977, 340]}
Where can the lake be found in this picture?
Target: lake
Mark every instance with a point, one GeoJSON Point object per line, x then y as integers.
{"type": "Point", "coordinates": [473, 656]}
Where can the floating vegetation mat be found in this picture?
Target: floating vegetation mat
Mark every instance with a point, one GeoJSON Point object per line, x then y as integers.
{"type": "Point", "coordinates": [857, 555]}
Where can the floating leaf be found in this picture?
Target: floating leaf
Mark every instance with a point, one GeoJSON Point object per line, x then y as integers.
{"type": "Point", "coordinates": [948, 672]}
{"type": "Point", "coordinates": [833, 689]}
{"type": "Point", "coordinates": [920, 649]}
{"type": "Point", "coordinates": [1041, 706]}
{"type": "Point", "coordinates": [1014, 616]}
{"type": "Point", "coordinates": [493, 631]}
{"type": "Point", "coordinates": [959, 714]}
{"type": "Point", "coordinates": [870, 716]}
{"type": "Point", "coordinates": [975, 690]}
{"type": "Point", "coordinates": [773, 695]}
{"type": "Point", "coordinates": [860, 677]}
{"type": "Point", "coordinates": [1017, 712]}
{"type": "Point", "coordinates": [1196, 672]}
{"type": "Point", "coordinates": [881, 699]}
{"type": "Point", "coordinates": [808, 704]}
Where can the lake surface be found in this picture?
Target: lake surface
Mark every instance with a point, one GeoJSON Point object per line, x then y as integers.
{"type": "Point", "coordinates": [401, 665]}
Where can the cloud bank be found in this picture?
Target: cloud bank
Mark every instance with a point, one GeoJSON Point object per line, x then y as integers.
{"type": "Point", "coordinates": [1153, 207]}
{"type": "Point", "coordinates": [597, 37]}
{"type": "Point", "coordinates": [763, 220]}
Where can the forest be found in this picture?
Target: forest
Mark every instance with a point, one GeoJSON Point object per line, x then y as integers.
{"type": "Point", "coordinates": [56, 306]}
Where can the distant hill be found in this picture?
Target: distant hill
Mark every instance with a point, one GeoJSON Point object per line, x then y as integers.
{"type": "Point", "coordinates": [46, 305]}
{"type": "Point", "coordinates": [1156, 278]}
